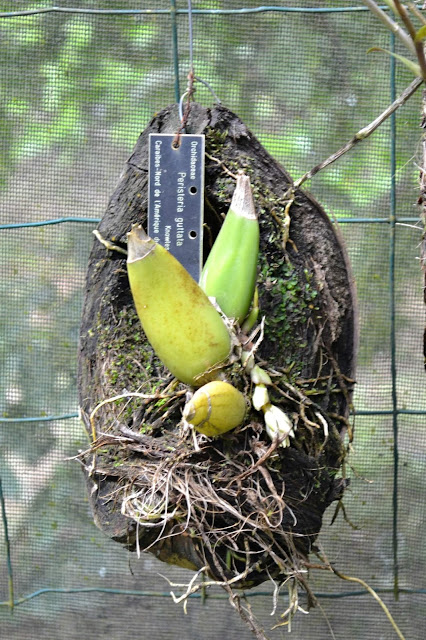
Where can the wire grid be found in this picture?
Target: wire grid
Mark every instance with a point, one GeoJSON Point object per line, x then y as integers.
{"type": "Point", "coordinates": [80, 84]}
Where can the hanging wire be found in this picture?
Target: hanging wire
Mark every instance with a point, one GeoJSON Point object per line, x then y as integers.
{"type": "Point", "coordinates": [175, 48]}
{"type": "Point", "coordinates": [213, 12]}
{"type": "Point", "coordinates": [191, 38]}
{"type": "Point", "coordinates": [196, 596]}
{"type": "Point", "coordinates": [212, 91]}
{"type": "Point", "coordinates": [190, 90]}
{"type": "Point", "coordinates": [210, 88]}
{"type": "Point", "coordinates": [183, 115]}
{"type": "Point", "coordinates": [75, 414]}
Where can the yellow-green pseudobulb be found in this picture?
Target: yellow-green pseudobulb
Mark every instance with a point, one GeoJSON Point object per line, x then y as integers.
{"type": "Point", "coordinates": [215, 408]}
{"type": "Point", "coordinates": [182, 326]}
{"type": "Point", "coordinates": [230, 271]}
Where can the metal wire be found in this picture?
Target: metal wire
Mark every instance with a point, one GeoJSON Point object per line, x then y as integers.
{"type": "Point", "coordinates": [42, 223]}
{"type": "Point", "coordinates": [338, 219]}
{"type": "Point", "coordinates": [361, 412]}
{"type": "Point", "coordinates": [63, 416]}
{"type": "Point", "coordinates": [242, 11]}
{"type": "Point", "coordinates": [392, 311]}
{"type": "Point", "coordinates": [181, 101]}
{"type": "Point", "coordinates": [190, 37]}
{"type": "Point", "coordinates": [173, 12]}
{"type": "Point", "coordinates": [195, 596]}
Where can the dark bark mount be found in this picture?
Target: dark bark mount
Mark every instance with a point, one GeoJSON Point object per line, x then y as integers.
{"type": "Point", "coordinates": [310, 340]}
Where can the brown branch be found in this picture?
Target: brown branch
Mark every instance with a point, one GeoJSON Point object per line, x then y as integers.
{"type": "Point", "coordinates": [327, 566]}
{"type": "Point", "coordinates": [391, 24]}
{"type": "Point", "coordinates": [363, 133]}
{"type": "Point", "coordinates": [258, 464]}
{"type": "Point", "coordinates": [375, 596]}
{"type": "Point", "coordinates": [190, 93]}
{"type": "Point", "coordinates": [412, 31]}
{"type": "Point", "coordinates": [416, 12]}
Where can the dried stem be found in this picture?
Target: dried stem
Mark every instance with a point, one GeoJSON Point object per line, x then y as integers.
{"type": "Point", "coordinates": [416, 12]}
{"type": "Point", "coordinates": [329, 567]}
{"type": "Point", "coordinates": [121, 396]}
{"type": "Point", "coordinates": [363, 133]}
{"type": "Point", "coordinates": [375, 596]}
{"type": "Point", "coordinates": [418, 46]}
{"type": "Point", "coordinates": [391, 25]}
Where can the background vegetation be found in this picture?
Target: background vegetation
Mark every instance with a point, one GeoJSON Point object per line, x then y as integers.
{"type": "Point", "coordinates": [76, 90]}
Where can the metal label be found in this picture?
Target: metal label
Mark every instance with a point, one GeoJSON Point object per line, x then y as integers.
{"type": "Point", "coordinates": [176, 197]}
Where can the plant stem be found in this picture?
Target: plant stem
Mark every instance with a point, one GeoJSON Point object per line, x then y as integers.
{"type": "Point", "coordinates": [375, 596]}
{"type": "Point", "coordinates": [391, 25]}
{"type": "Point", "coordinates": [327, 566]}
{"type": "Point", "coordinates": [418, 46]}
{"type": "Point", "coordinates": [416, 12]}
{"type": "Point", "coordinates": [364, 132]}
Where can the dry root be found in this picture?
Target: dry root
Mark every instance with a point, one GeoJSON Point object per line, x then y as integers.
{"type": "Point", "coordinates": [240, 499]}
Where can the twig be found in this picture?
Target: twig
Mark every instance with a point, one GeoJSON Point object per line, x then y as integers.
{"type": "Point", "coordinates": [365, 132]}
{"type": "Point", "coordinates": [257, 464]}
{"type": "Point", "coordinates": [245, 614]}
{"type": "Point", "coordinates": [221, 164]}
{"type": "Point", "coordinates": [293, 606]}
{"type": "Point", "coordinates": [391, 25]}
{"type": "Point", "coordinates": [416, 12]}
{"type": "Point", "coordinates": [418, 45]}
{"type": "Point", "coordinates": [189, 93]}
{"type": "Point", "coordinates": [128, 394]}
{"type": "Point", "coordinates": [192, 587]}
{"type": "Point", "coordinates": [111, 246]}
{"type": "Point", "coordinates": [375, 596]}
{"type": "Point", "coordinates": [342, 576]}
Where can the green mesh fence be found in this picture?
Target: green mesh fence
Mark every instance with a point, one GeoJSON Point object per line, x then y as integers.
{"type": "Point", "coordinates": [79, 82]}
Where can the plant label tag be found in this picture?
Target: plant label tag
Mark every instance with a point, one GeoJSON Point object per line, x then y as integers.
{"type": "Point", "coordinates": [176, 197]}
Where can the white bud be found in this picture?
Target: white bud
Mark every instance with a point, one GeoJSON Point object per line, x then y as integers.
{"type": "Point", "coordinates": [278, 424]}
{"type": "Point", "coordinates": [247, 360]}
{"type": "Point", "coordinates": [259, 376]}
{"type": "Point", "coordinates": [260, 397]}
